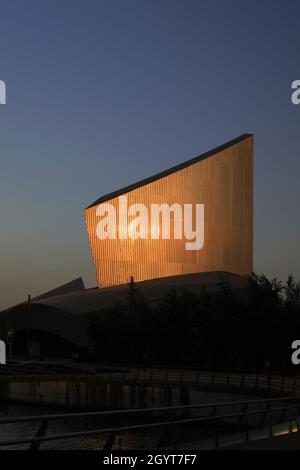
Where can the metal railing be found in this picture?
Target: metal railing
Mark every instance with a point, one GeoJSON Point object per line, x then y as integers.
{"type": "Point", "coordinates": [254, 380]}
{"type": "Point", "coordinates": [287, 407]}
{"type": "Point", "coordinates": [279, 382]}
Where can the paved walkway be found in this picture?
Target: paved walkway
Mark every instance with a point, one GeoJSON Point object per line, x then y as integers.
{"type": "Point", "coordinates": [286, 442]}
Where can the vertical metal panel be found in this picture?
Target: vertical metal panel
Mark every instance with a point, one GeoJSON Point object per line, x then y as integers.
{"type": "Point", "coordinates": [224, 184]}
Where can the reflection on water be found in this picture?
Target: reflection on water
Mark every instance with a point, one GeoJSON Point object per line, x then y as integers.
{"type": "Point", "coordinates": [12, 431]}
{"type": "Point", "coordinates": [149, 439]}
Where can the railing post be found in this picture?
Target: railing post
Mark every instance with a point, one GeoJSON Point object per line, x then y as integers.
{"type": "Point", "coordinates": [269, 379]}
{"type": "Point", "coordinates": [290, 422]}
{"type": "Point", "coordinates": [40, 433]}
{"type": "Point", "coordinates": [271, 426]}
{"type": "Point", "coordinates": [244, 410]}
{"type": "Point", "coordinates": [216, 437]}
{"type": "Point", "coordinates": [282, 383]}
{"type": "Point", "coordinates": [294, 385]}
{"type": "Point", "coordinates": [243, 380]}
{"type": "Point", "coordinates": [110, 441]}
{"type": "Point", "coordinates": [228, 379]}
{"type": "Point", "coordinates": [174, 437]}
{"type": "Point", "coordinates": [213, 379]}
{"type": "Point", "coordinates": [247, 432]}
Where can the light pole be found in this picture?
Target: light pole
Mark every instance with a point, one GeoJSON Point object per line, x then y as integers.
{"type": "Point", "coordinates": [27, 327]}
{"type": "Point", "coordinates": [131, 300]}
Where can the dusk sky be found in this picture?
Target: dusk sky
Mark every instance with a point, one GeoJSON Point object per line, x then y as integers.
{"type": "Point", "coordinates": [102, 93]}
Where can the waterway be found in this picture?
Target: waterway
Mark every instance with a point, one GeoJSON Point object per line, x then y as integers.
{"type": "Point", "coordinates": [133, 440]}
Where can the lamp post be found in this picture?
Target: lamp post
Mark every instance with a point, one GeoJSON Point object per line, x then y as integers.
{"type": "Point", "coordinates": [131, 300]}
{"type": "Point", "coordinates": [27, 327]}
{"type": "Point", "coordinates": [10, 338]}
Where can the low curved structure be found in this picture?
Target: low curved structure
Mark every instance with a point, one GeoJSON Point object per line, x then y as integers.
{"type": "Point", "coordinates": [65, 317]}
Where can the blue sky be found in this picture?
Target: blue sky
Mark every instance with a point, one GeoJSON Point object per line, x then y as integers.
{"type": "Point", "coordinates": [103, 93]}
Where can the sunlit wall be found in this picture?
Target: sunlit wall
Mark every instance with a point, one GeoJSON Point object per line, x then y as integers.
{"type": "Point", "coordinates": [222, 180]}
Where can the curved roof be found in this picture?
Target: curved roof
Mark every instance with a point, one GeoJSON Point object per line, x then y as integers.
{"type": "Point", "coordinates": [66, 315]}
{"type": "Point", "coordinates": [89, 300]}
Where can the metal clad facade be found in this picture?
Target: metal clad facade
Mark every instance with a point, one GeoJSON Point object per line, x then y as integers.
{"type": "Point", "coordinates": [224, 184]}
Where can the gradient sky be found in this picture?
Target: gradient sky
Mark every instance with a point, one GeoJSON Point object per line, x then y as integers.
{"type": "Point", "coordinates": [102, 93]}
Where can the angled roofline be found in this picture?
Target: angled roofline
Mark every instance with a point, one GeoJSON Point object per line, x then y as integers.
{"type": "Point", "coordinates": [168, 172]}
